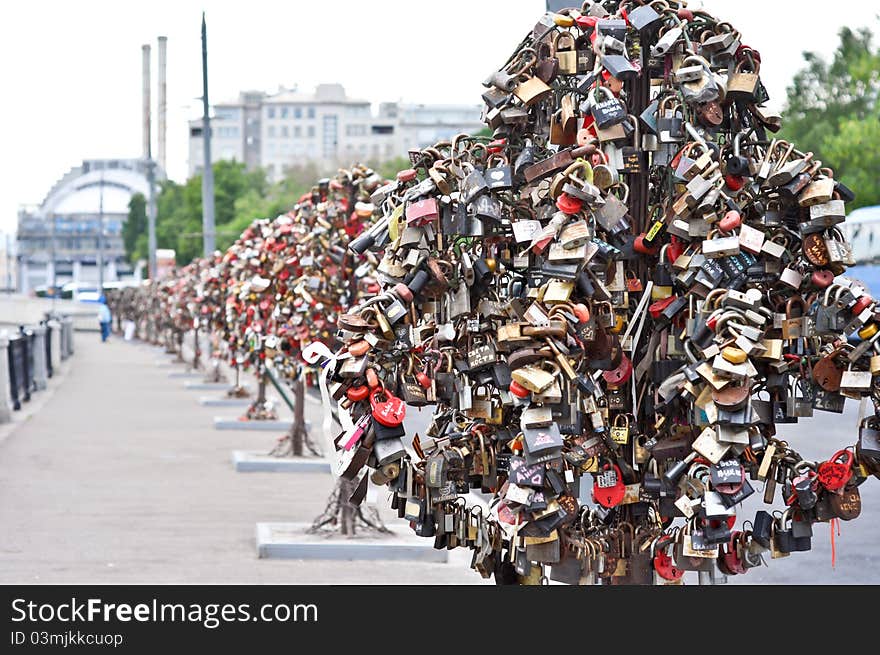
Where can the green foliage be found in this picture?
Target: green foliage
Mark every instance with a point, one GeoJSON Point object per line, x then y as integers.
{"type": "Point", "coordinates": [390, 168]}
{"type": "Point", "coordinates": [135, 225]}
{"type": "Point", "coordinates": [179, 211]}
{"type": "Point", "coordinates": [240, 196]}
{"type": "Point", "coordinates": [833, 110]}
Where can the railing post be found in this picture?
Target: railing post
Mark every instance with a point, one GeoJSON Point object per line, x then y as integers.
{"type": "Point", "coordinates": [38, 357]}
{"type": "Point", "coordinates": [55, 338]}
{"type": "Point", "coordinates": [5, 387]}
{"type": "Point", "coordinates": [50, 368]}
{"type": "Point", "coordinates": [70, 338]}
{"type": "Point", "coordinates": [26, 381]}
{"type": "Point", "coordinates": [15, 370]}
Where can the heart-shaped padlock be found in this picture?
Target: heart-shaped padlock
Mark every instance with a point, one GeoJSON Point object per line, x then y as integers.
{"type": "Point", "coordinates": [834, 474]}
{"type": "Point", "coordinates": [609, 489]}
{"type": "Point", "coordinates": [388, 409]}
{"type": "Point", "coordinates": [665, 568]}
{"type": "Point", "coordinates": [620, 375]}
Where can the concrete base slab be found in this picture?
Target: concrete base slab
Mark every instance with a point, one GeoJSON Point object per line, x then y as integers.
{"type": "Point", "coordinates": [221, 423]}
{"type": "Point", "coordinates": [249, 461]}
{"type": "Point", "coordinates": [207, 386]}
{"type": "Point", "coordinates": [210, 401]}
{"type": "Point", "coordinates": [290, 541]}
{"type": "Point", "coordinates": [185, 375]}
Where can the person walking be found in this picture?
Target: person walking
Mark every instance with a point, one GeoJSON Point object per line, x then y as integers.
{"type": "Point", "coordinates": [104, 318]}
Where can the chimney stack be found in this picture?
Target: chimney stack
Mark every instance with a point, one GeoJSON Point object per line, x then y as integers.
{"type": "Point", "coordinates": [161, 108]}
{"type": "Point", "coordinates": [146, 101]}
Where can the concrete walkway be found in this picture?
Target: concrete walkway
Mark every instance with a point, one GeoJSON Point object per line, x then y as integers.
{"type": "Point", "coordinates": [121, 478]}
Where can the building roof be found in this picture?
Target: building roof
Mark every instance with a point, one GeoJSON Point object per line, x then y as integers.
{"type": "Point", "coordinates": [324, 94]}
{"type": "Point", "coordinates": [85, 188]}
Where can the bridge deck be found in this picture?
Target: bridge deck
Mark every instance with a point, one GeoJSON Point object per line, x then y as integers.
{"type": "Point", "coordinates": [121, 477]}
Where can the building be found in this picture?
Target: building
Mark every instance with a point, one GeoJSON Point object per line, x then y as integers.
{"type": "Point", "coordinates": [325, 127]}
{"type": "Point", "coordinates": [59, 240]}
{"type": "Point", "coordinates": [8, 272]}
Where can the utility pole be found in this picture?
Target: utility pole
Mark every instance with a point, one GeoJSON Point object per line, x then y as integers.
{"type": "Point", "coordinates": [54, 258]}
{"type": "Point", "coordinates": [161, 102]}
{"type": "Point", "coordinates": [100, 236]}
{"type": "Point", "coordinates": [208, 238]}
{"type": "Point", "coordinates": [151, 167]}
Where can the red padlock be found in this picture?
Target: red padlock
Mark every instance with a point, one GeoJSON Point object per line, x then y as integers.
{"type": "Point", "coordinates": [518, 390]}
{"type": "Point", "coordinates": [675, 249]}
{"type": "Point", "coordinates": [609, 489]}
{"type": "Point", "coordinates": [833, 474]}
{"type": "Point", "coordinates": [356, 394]}
{"type": "Point", "coordinates": [640, 246]}
{"type": "Point", "coordinates": [620, 375]}
{"type": "Point", "coordinates": [665, 568]}
{"type": "Point", "coordinates": [656, 308]}
{"type": "Point", "coordinates": [734, 182]}
{"type": "Point", "coordinates": [388, 409]}
{"type": "Point", "coordinates": [731, 221]}
{"type": "Point", "coordinates": [568, 204]}
{"type": "Point", "coordinates": [824, 279]}
{"type": "Point", "coordinates": [582, 312]}
{"type": "Point", "coordinates": [372, 378]}
{"type": "Point", "coordinates": [423, 380]}
{"type": "Point", "coordinates": [861, 304]}
{"type": "Point", "coordinates": [731, 560]}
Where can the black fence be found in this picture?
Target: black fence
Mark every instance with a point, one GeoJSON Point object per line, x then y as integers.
{"type": "Point", "coordinates": [23, 348]}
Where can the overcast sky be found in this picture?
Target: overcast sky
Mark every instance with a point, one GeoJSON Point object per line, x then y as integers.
{"type": "Point", "coordinates": [72, 70]}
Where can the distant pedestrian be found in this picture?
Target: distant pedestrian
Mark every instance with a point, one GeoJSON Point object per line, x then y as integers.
{"type": "Point", "coordinates": [104, 318]}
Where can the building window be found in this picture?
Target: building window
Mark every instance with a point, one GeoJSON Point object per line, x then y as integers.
{"type": "Point", "coordinates": [270, 112]}
{"type": "Point", "coordinates": [330, 134]}
{"type": "Point", "coordinates": [355, 130]}
{"type": "Point", "coordinates": [284, 112]}
{"type": "Point", "coordinates": [271, 131]}
{"type": "Point", "coordinates": [311, 112]}
{"type": "Point", "coordinates": [311, 132]}
{"type": "Point", "coordinates": [297, 112]}
{"type": "Point", "coordinates": [297, 132]}
{"type": "Point", "coordinates": [284, 131]}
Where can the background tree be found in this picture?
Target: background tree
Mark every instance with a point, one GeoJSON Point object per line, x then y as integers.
{"type": "Point", "coordinates": [135, 225]}
{"type": "Point", "coordinates": [832, 109]}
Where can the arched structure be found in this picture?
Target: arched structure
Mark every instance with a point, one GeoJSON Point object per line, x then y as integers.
{"type": "Point", "coordinates": [58, 241]}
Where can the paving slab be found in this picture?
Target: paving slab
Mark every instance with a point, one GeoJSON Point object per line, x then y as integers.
{"type": "Point", "coordinates": [211, 401]}
{"type": "Point", "coordinates": [225, 423]}
{"type": "Point", "coordinates": [206, 386]}
{"type": "Point", "coordinates": [251, 461]}
{"type": "Point", "coordinates": [292, 541]}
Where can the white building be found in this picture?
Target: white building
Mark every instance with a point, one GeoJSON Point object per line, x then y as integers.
{"type": "Point", "coordinates": [59, 240]}
{"type": "Point", "coordinates": [325, 127]}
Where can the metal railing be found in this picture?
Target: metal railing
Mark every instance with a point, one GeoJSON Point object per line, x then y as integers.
{"type": "Point", "coordinates": [31, 359]}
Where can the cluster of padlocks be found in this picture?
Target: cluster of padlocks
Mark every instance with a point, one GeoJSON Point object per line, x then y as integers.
{"type": "Point", "coordinates": [287, 279]}
{"type": "Point", "coordinates": [632, 280]}
{"type": "Point", "coordinates": [630, 284]}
